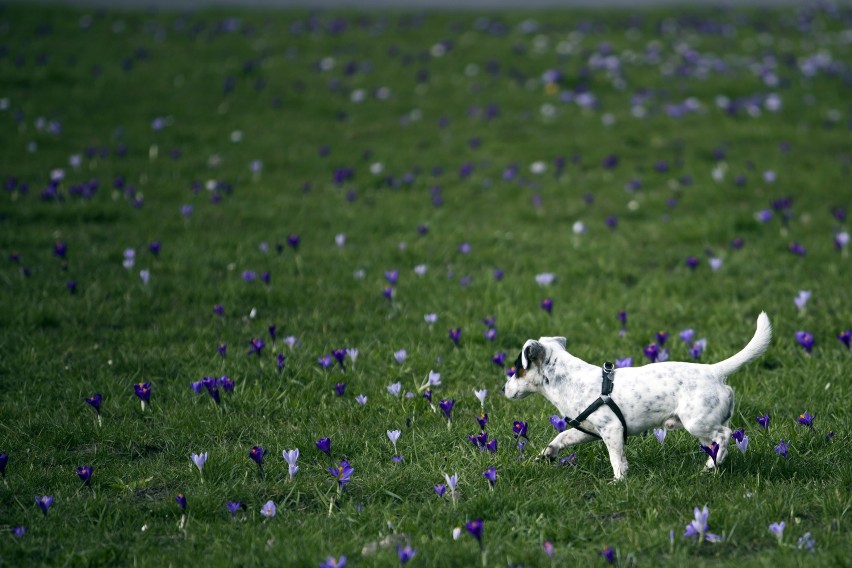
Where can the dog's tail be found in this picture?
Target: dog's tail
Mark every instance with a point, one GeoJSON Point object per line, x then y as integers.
{"type": "Point", "coordinates": [753, 350]}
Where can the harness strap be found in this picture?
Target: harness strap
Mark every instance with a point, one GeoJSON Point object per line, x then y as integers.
{"type": "Point", "coordinates": [606, 389]}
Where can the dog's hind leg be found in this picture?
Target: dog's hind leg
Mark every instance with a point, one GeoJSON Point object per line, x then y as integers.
{"type": "Point", "coordinates": [563, 440]}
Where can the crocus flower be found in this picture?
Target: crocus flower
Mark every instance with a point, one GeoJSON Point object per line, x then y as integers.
{"type": "Point", "coordinates": [340, 356]}
{"type": "Point", "coordinates": [623, 363]}
{"type": "Point", "coordinates": [143, 391]}
{"type": "Point", "coordinates": [491, 446]}
{"type": "Point", "coordinates": [559, 423]}
{"type": "Point", "coordinates": [222, 349]}
{"type": "Point", "coordinates": [801, 299]}
{"type": "Point", "coordinates": [806, 420]}
{"type": "Point", "coordinates": [400, 356]}
{"type": "Point", "coordinates": [180, 499]}
{"type": "Point", "coordinates": [742, 442]}
{"type": "Point", "coordinates": [698, 348]}
{"type": "Point", "coordinates": [4, 459]}
{"type": "Point", "coordinates": [199, 460]}
{"type": "Point", "coordinates": [19, 531]}
{"type": "Point", "coordinates": [256, 453]}
{"type": "Point", "coordinates": [324, 361]}
{"type": "Point", "coordinates": [548, 548]}
{"type": "Point", "coordinates": [430, 318]}
{"type": "Point", "coordinates": [452, 483]}
{"type": "Point", "coordinates": [197, 386]}
{"type": "Point", "coordinates": [712, 450]}
{"type": "Point", "coordinates": [778, 530]}
{"type": "Point", "coordinates": [782, 449]}
{"type": "Point", "coordinates": [85, 474]}
{"type": "Point", "coordinates": [219, 310]}
{"type": "Point", "coordinates": [660, 434]}
{"type": "Point", "coordinates": [652, 352]}
{"type": "Point", "coordinates": [491, 475]}
{"type": "Point", "coordinates": [440, 489]}
{"type": "Point", "coordinates": [44, 503]}
{"type": "Point", "coordinates": [691, 262]}
{"type": "Point", "coordinates": [330, 562]}
{"type": "Point", "coordinates": [392, 276]}
{"type": "Point", "coordinates": [226, 383]}
{"type": "Point", "coordinates": [520, 429]}
{"type": "Point", "coordinates": [699, 529]}
{"type": "Point", "coordinates": [434, 379]}
{"type": "Point", "coordinates": [805, 542]}
{"type": "Point", "coordinates": [352, 353]}
{"type": "Point", "coordinates": [482, 419]}
{"type": "Point", "coordinates": [256, 345]}
{"type": "Point", "coordinates": [361, 399]}
{"type": "Point", "coordinates": [662, 337]}
{"type": "Point", "coordinates": [395, 388]}
{"type": "Point", "coordinates": [393, 436]}
{"type": "Point", "coordinates": [342, 473]}
{"type": "Point", "coordinates": [233, 507]}
{"type": "Point", "coordinates": [547, 305]}
{"type": "Point", "coordinates": [475, 529]}
{"type": "Point", "coordinates": [268, 509]}
{"type": "Point", "coordinates": [324, 445]}
{"type": "Point", "coordinates": [455, 335]}
{"type": "Point", "coordinates": [490, 334]}
{"type": "Point", "coordinates": [481, 394]}
{"type": "Point", "coordinates": [95, 402]}
{"type": "Point", "coordinates": [608, 554]}
{"type": "Point", "coordinates": [291, 456]}
{"type": "Point", "coordinates": [447, 407]}
{"type": "Point", "coordinates": [805, 339]}
{"type": "Point", "coordinates": [570, 460]}
{"type": "Point", "coordinates": [797, 249]}
{"type": "Point", "coordinates": [405, 554]}
{"type": "Point", "coordinates": [294, 240]}
{"type": "Point", "coordinates": [340, 389]}
{"type": "Point", "coordinates": [686, 335]}
{"type": "Point", "coordinates": [763, 421]}
{"type": "Point", "coordinates": [845, 338]}
{"type": "Point", "coordinates": [499, 358]}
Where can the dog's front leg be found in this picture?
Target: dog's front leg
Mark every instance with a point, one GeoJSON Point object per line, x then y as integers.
{"type": "Point", "coordinates": [563, 440]}
{"type": "Point", "coordinates": [613, 437]}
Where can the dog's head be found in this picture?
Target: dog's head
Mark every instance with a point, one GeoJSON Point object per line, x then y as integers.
{"type": "Point", "coordinates": [531, 365]}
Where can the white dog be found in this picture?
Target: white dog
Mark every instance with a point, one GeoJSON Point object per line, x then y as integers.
{"type": "Point", "coordinates": [689, 395]}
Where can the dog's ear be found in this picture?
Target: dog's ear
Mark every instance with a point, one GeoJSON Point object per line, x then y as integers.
{"type": "Point", "coordinates": [533, 352]}
{"type": "Point", "coordinates": [560, 340]}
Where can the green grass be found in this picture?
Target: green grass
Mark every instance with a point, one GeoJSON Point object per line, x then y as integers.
{"type": "Point", "coordinates": [58, 348]}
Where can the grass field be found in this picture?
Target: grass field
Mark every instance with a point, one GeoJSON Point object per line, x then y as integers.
{"type": "Point", "coordinates": [175, 184]}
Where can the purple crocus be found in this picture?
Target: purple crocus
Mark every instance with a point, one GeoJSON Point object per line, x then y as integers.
{"type": "Point", "coordinates": [797, 249]}
{"type": "Point", "coordinates": [447, 407]}
{"type": "Point", "coordinates": [548, 548]}
{"type": "Point", "coordinates": [256, 453]}
{"type": "Point", "coordinates": [455, 335]}
{"type": "Point", "coordinates": [222, 349]}
{"type": "Point", "coordinates": [712, 450]}
{"type": "Point", "coordinates": [778, 530]}
{"type": "Point", "coordinates": [652, 352]}
{"type": "Point", "coordinates": [699, 529]}
{"type": "Point", "coordinates": [405, 553]}
{"type": "Point", "coordinates": [547, 305]}
{"type": "Point", "coordinates": [782, 449]}
{"type": "Point", "coordinates": [392, 276]}
{"type": "Point", "coordinates": [44, 503]}
{"type": "Point", "coordinates": [698, 348]}
{"type": "Point", "coordinates": [662, 337]}
{"type": "Point", "coordinates": [340, 356]}
{"type": "Point", "coordinates": [440, 489]}
{"type": "Point", "coordinates": [763, 421]}
{"type": "Point", "coordinates": [520, 429]}
{"type": "Point", "coordinates": [660, 434]}
{"type": "Point", "coordinates": [330, 562]}
{"type": "Point", "coordinates": [691, 262]}
{"type": "Point", "coordinates": [143, 391]}
{"type": "Point", "coordinates": [324, 361]}
{"type": "Point", "coordinates": [324, 445]}
{"type": "Point", "coordinates": [95, 402]}
{"type": "Point", "coordinates": [4, 459]}
{"type": "Point", "coordinates": [19, 531]}
{"type": "Point", "coordinates": [342, 473]}
{"type": "Point", "coordinates": [806, 420]}
{"type": "Point", "coordinates": [805, 339]}
{"type": "Point", "coordinates": [482, 419]}
{"type": "Point", "coordinates": [845, 338]}
{"type": "Point", "coordinates": [474, 527]}
{"type": "Point", "coordinates": [219, 310]}
{"type": "Point", "coordinates": [559, 423]}
{"type": "Point", "coordinates": [340, 389]}
{"type": "Point", "coordinates": [499, 359]}
{"type": "Point", "coordinates": [623, 363]}
{"type": "Point", "coordinates": [233, 507]}
{"type": "Point", "coordinates": [85, 474]}
{"type": "Point", "coordinates": [608, 554]}
{"type": "Point", "coordinates": [294, 240]}
{"type": "Point", "coordinates": [279, 361]}
{"type": "Point", "coordinates": [686, 335]}
{"type": "Point", "coordinates": [256, 345]}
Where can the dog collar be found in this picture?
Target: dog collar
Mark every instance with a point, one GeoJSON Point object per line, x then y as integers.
{"type": "Point", "coordinates": [607, 384]}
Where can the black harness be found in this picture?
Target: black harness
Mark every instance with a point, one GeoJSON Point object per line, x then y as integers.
{"type": "Point", "coordinates": [606, 389]}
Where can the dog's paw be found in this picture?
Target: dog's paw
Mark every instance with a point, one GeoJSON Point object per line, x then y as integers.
{"type": "Point", "coordinates": [548, 455]}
